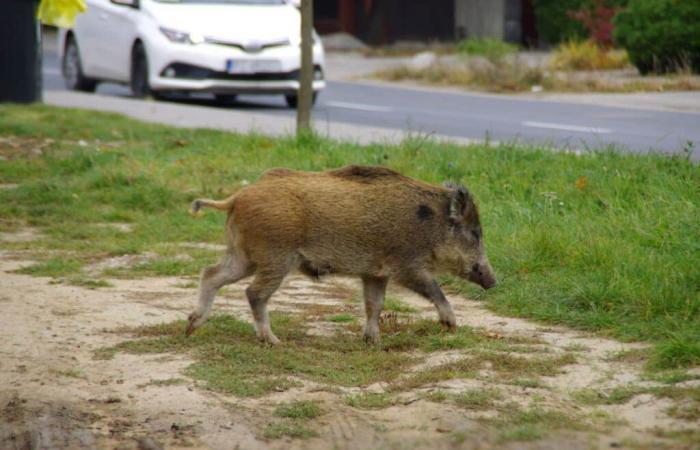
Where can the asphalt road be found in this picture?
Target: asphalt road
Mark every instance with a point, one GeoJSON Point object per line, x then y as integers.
{"type": "Point", "coordinates": [501, 118]}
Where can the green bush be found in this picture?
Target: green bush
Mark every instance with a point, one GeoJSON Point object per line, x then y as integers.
{"type": "Point", "coordinates": [554, 24]}
{"type": "Point", "coordinates": [492, 49]}
{"type": "Point", "coordinates": [660, 35]}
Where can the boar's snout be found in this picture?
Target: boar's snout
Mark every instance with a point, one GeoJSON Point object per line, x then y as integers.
{"type": "Point", "coordinates": [482, 274]}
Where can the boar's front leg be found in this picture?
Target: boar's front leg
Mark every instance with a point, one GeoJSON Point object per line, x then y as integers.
{"type": "Point", "coordinates": [425, 285]}
{"type": "Point", "coordinates": [374, 289]}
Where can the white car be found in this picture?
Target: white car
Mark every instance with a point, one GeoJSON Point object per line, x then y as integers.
{"type": "Point", "coordinates": [223, 47]}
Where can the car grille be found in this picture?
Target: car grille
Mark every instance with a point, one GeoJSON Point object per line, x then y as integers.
{"type": "Point", "coordinates": [190, 72]}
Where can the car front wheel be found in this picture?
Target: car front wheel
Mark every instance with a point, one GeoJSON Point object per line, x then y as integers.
{"type": "Point", "coordinates": [140, 88]}
{"type": "Point", "coordinates": [72, 67]}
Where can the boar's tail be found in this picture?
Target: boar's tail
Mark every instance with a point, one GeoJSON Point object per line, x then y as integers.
{"type": "Point", "coordinates": [223, 205]}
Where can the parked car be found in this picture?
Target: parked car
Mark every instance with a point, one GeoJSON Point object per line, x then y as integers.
{"type": "Point", "coordinates": [223, 47]}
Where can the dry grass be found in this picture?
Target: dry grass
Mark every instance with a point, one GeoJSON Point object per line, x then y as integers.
{"type": "Point", "coordinates": [586, 55]}
{"type": "Point", "coordinates": [513, 75]}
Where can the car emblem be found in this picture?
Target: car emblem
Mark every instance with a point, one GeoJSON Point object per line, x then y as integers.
{"type": "Point", "coordinates": [253, 46]}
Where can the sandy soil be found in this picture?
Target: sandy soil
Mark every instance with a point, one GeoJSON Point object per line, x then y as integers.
{"type": "Point", "coordinates": [53, 394]}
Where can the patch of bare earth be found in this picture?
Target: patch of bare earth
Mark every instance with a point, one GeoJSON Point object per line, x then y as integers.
{"type": "Point", "coordinates": [54, 394]}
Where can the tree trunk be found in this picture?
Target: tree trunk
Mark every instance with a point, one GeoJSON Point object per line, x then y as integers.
{"type": "Point", "coordinates": [20, 52]}
{"type": "Point", "coordinates": [307, 69]}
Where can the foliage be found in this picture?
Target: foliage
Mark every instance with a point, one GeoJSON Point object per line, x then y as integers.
{"type": "Point", "coordinates": [563, 20]}
{"type": "Point", "coordinates": [492, 49]}
{"type": "Point", "coordinates": [587, 55]}
{"type": "Point", "coordinates": [597, 20]}
{"type": "Point", "coordinates": [660, 35]}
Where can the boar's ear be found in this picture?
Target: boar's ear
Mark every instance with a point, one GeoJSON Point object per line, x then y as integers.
{"type": "Point", "coordinates": [462, 207]}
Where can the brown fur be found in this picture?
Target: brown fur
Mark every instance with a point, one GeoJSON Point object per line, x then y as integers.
{"type": "Point", "coordinates": [370, 222]}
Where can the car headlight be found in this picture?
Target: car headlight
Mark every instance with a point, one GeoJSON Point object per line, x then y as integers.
{"type": "Point", "coordinates": [181, 37]}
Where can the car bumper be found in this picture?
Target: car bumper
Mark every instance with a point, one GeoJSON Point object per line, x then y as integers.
{"type": "Point", "coordinates": [202, 68]}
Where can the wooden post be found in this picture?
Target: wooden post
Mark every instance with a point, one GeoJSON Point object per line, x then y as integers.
{"type": "Point", "coordinates": [305, 95]}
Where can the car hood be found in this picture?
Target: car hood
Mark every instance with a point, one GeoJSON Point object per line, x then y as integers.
{"type": "Point", "coordinates": [231, 23]}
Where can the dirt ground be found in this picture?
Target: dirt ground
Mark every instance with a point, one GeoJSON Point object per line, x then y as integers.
{"type": "Point", "coordinates": [53, 394]}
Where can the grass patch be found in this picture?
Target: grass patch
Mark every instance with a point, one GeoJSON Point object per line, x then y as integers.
{"type": "Point", "coordinates": [397, 305]}
{"type": "Point", "coordinates": [370, 401]}
{"type": "Point", "coordinates": [85, 282]}
{"type": "Point", "coordinates": [299, 410]}
{"type": "Point", "coordinates": [505, 366]}
{"type": "Point", "coordinates": [492, 49]}
{"type": "Point", "coordinates": [477, 399]}
{"type": "Point", "coordinates": [517, 424]}
{"type": "Point", "coordinates": [288, 428]}
{"type": "Point", "coordinates": [602, 241]}
{"type": "Point", "coordinates": [164, 383]}
{"type": "Point", "coordinates": [343, 318]}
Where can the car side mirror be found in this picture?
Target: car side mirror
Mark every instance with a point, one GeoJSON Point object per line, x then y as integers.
{"type": "Point", "coordinates": [130, 3]}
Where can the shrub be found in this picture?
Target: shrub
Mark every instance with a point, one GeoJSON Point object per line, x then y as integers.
{"type": "Point", "coordinates": [586, 55]}
{"type": "Point", "coordinates": [597, 19]}
{"type": "Point", "coordinates": [554, 25]}
{"type": "Point", "coordinates": [660, 35]}
{"type": "Point", "coordinates": [557, 19]}
{"type": "Point", "coordinates": [491, 49]}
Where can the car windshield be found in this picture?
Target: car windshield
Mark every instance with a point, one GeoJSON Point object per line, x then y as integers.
{"type": "Point", "coordinates": [228, 2]}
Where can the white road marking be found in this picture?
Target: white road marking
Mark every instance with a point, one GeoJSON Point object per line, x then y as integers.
{"type": "Point", "coordinates": [564, 127]}
{"type": "Point", "coordinates": [359, 106]}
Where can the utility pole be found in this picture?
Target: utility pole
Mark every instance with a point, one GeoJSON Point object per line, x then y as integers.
{"type": "Point", "coordinates": [306, 75]}
{"type": "Point", "coordinates": [20, 52]}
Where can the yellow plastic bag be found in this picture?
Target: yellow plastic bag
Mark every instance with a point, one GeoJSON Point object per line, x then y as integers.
{"type": "Point", "coordinates": [60, 13]}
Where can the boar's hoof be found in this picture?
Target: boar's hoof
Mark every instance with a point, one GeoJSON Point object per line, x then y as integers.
{"type": "Point", "coordinates": [450, 323]}
{"type": "Point", "coordinates": [194, 321]}
{"type": "Point", "coordinates": [268, 338]}
{"type": "Point", "coordinates": [372, 339]}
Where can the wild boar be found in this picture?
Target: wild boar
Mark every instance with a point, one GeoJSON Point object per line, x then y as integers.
{"type": "Point", "coordinates": [371, 222]}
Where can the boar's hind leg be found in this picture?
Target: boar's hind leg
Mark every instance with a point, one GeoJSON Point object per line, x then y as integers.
{"type": "Point", "coordinates": [425, 285]}
{"type": "Point", "coordinates": [259, 292]}
{"type": "Point", "coordinates": [374, 289]}
{"type": "Point", "coordinates": [231, 269]}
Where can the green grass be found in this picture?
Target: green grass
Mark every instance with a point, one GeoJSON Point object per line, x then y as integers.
{"type": "Point", "coordinates": [396, 305]}
{"type": "Point", "coordinates": [477, 399]}
{"type": "Point", "coordinates": [517, 424]}
{"type": "Point", "coordinates": [342, 318]}
{"type": "Point", "coordinates": [299, 410]}
{"type": "Point", "coordinates": [288, 428]}
{"type": "Point", "coordinates": [602, 241]}
{"type": "Point", "coordinates": [492, 49]}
